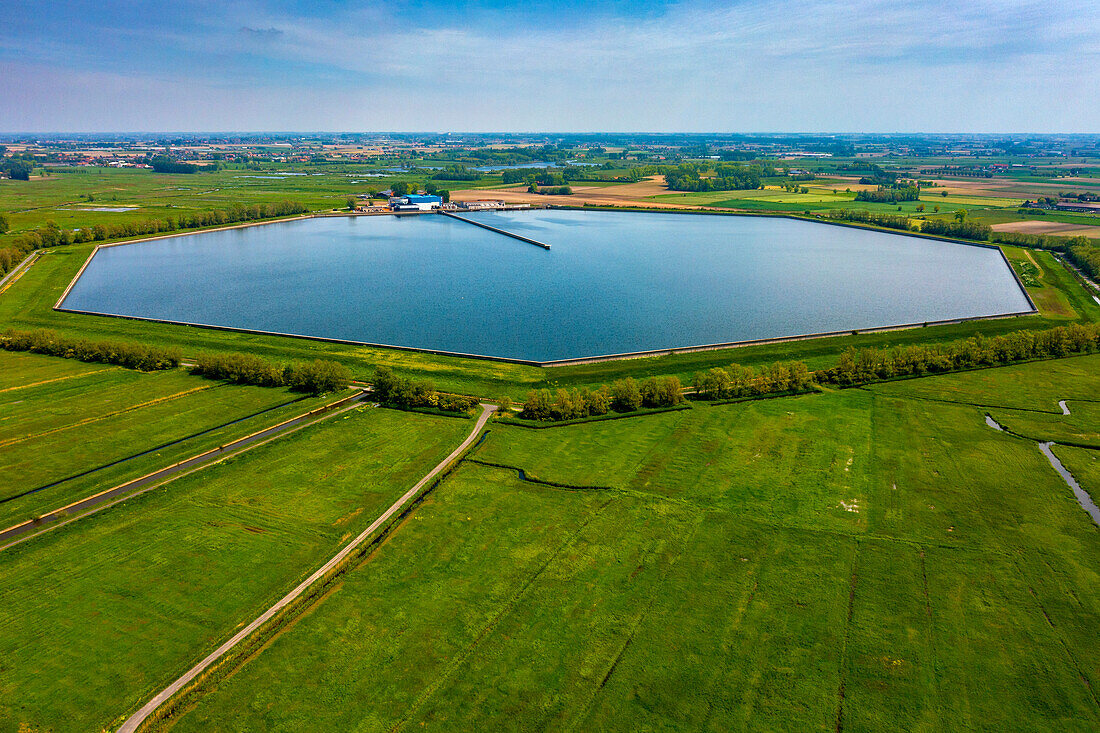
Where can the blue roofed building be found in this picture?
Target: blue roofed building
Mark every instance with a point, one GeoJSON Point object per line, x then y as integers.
{"type": "Point", "coordinates": [416, 202]}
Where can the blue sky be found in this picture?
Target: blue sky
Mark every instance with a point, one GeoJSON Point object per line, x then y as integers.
{"type": "Point", "coordinates": [774, 65]}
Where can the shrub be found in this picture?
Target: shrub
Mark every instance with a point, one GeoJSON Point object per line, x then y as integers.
{"type": "Point", "coordinates": [120, 353]}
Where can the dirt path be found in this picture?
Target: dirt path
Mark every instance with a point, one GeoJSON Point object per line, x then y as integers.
{"type": "Point", "coordinates": [135, 720]}
{"type": "Point", "coordinates": [97, 502]}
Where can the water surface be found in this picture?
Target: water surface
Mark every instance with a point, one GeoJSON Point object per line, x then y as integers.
{"type": "Point", "coordinates": [613, 282]}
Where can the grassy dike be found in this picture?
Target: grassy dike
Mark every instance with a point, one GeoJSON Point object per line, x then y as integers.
{"type": "Point", "coordinates": [29, 304]}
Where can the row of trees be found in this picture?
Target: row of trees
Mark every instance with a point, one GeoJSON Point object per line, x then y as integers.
{"type": "Point", "coordinates": [1086, 256]}
{"type": "Point", "coordinates": [889, 195]}
{"type": "Point", "coordinates": [890, 221]}
{"type": "Point", "coordinates": [390, 389]}
{"type": "Point", "coordinates": [744, 381]}
{"type": "Point", "coordinates": [624, 395]}
{"type": "Point", "coordinates": [869, 365]}
{"type": "Point", "coordinates": [130, 355]}
{"type": "Point", "coordinates": [551, 191]}
{"type": "Point", "coordinates": [959, 228]}
{"type": "Point", "coordinates": [316, 377]}
{"type": "Point", "coordinates": [862, 366]}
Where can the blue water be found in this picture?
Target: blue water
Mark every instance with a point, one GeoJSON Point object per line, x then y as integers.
{"type": "Point", "coordinates": [613, 282]}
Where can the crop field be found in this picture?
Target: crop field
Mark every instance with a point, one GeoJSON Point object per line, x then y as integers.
{"type": "Point", "coordinates": [868, 559]}
{"type": "Point", "coordinates": [115, 605]}
{"type": "Point", "coordinates": [63, 440]}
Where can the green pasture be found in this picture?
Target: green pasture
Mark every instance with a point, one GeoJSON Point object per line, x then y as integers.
{"type": "Point", "coordinates": [52, 432]}
{"type": "Point", "coordinates": [1053, 289]}
{"type": "Point", "coordinates": [862, 559]}
{"type": "Point", "coordinates": [99, 615]}
{"type": "Point", "coordinates": [68, 196]}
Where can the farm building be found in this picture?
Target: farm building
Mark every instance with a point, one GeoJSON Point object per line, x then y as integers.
{"type": "Point", "coordinates": [415, 202]}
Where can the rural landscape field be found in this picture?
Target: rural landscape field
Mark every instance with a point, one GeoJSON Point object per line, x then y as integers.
{"type": "Point", "coordinates": [365, 428]}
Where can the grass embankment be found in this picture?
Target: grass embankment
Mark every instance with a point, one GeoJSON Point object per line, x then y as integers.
{"type": "Point", "coordinates": [863, 559]}
{"type": "Point", "coordinates": [69, 432]}
{"type": "Point", "coordinates": [100, 616]}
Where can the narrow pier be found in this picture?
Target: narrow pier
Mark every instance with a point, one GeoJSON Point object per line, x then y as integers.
{"type": "Point", "coordinates": [513, 235]}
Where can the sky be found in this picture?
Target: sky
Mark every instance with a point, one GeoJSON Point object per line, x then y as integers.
{"type": "Point", "coordinates": [749, 66]}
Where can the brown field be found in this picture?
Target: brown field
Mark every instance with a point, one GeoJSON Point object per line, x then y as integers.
{"type": "Point", "coordinates": [1048, 227]}
{"type": "Point", "coordinates": [627, 194]}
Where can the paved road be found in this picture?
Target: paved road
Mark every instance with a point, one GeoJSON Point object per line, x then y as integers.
{"type": "Point", "coordinates": [91, 504]}
{"type": "Point", "coordinates": [134, 721]}
{"type": "Point", "coordinates": [15, 272]}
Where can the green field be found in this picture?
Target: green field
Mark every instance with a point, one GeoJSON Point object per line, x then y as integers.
{"type": "Point", "coordinates": [51, 432]}
{"type": "Point", "coordinates": [69, 196]}
{"type": "Point", "coordinates": [865, 559]}
{"type": "Point", "coordinates": [99, 615]}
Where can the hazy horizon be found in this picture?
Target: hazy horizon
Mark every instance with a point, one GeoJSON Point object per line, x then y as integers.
{"type": "Point", "coordinates": [554, 67]}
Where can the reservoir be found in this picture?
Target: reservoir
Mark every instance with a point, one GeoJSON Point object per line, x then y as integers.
{"type": "Point", "coordinates": [612, 282]}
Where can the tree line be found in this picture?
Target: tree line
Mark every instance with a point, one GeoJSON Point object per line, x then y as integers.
{"type": "Point", "coordinates": [623, 395]}
{"type": "Point", "coordinates": [889, 195]}
{"type": "Point", "coordinates": [390, 389]}
{"type": "Point", "coordinates": [120, 353]}
{"type": "Point", "coordinates": [727, 177]}
{"type": "Point", "coordinates": [862, 366]}
{"type": "Point", "coordinates": [744, 381]}
{"type": "Point", "coordinates": [316, 377]}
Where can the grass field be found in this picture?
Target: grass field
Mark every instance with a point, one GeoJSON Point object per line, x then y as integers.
{"type": "Point", "coordinates": [117, 604]}
{"type": "Point", "coordinates": [52, 432]}
{"type": "Point", "coordinates": [864, 560]}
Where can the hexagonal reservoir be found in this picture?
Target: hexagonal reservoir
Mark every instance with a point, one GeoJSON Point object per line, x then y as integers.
{"type": "Point", "coordinates": [613, 282]}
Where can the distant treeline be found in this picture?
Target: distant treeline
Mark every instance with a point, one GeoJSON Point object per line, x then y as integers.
{"type": "Point", "coordinates": [16, 168]}
{"type": "Point", "coordinates": [879, 176]}
{"type": "Point", "coordinates": [391, 389]}
{"type": "Point", "coordinates": [624, 395]}
{"type": "Point", "coordinates": [51, 235]}
{"type": "Point", "coordinates": [164, 164]}
{"type": "Point", "coordinates": [121, 353]}
{"type": "Point", "coordinates": [316, 377]}
{"type": "Point", "coordinates": [887, 195]}
{"type": "Point", "coordinates": [727, 177]}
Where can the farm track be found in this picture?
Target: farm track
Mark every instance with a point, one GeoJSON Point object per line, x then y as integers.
{"type": "Point", "coordinates": [135, 721]}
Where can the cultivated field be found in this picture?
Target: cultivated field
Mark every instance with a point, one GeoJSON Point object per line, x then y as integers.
{"type": "Point", "coordinates": [869, 559]}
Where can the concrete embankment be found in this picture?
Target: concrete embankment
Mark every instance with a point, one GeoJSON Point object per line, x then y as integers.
{"type": "Point", "coordinates": [506, 233]}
